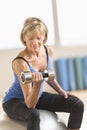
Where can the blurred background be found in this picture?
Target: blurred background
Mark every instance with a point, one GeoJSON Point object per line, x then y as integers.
{"type": "Point", "coordinates": [66, 21]}
{"type": "Point", "coordinates": [67, 25]}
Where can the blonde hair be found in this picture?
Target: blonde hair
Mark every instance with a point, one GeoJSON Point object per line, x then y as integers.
{"type": "Point", "coordinates": [33, 25]}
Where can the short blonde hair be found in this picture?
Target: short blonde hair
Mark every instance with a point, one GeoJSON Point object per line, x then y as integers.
{"type": "Point", "coordinates": [33, 25]}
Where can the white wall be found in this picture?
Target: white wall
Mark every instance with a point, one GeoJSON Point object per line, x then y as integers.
{"type": "Point", "coordinates": [6, 76]}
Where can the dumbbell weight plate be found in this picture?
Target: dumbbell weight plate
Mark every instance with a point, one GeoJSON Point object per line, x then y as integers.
{"type": "Point", "coordinates": [51, 75]}
{"type": "Point", "coordinates": [26, 77]}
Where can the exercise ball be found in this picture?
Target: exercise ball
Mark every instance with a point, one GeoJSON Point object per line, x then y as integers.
{"type": "Point", "coordinates": [48, 121]}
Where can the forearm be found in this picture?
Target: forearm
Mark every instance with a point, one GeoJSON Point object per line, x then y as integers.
{"type": "Point", "coordinates": [33, 97]}
{"type": "Point", "coordinates": [55, 85]}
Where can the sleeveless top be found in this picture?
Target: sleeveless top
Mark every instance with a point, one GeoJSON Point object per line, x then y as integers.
{"type": "Point", "coordinates": [15, 90]}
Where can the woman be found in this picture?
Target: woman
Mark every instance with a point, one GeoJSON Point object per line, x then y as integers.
{"type": "Point", "coordinates": [22, 101]}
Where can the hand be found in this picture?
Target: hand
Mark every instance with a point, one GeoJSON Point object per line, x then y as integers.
{"type": "Point", "coordinates": [66, 94]}
{"type": "Point", "coordinates": [37, 76]}
{"type": "Point", "coordinates": [71, 94]}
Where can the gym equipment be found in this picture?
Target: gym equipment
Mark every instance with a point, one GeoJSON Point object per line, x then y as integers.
{"type": "Point", "coordinates": [26, 77]}
{"type": "Point", "coordinates": [48, 121]}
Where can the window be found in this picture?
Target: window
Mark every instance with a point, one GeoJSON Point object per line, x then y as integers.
{"type": "Point", "coordinates": [12, 16]}
{"type": "Point", "coordinates": [72, 21]}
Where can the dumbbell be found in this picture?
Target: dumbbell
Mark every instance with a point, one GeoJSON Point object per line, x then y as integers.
{"type": "Point", "coordinates": [26, 77]}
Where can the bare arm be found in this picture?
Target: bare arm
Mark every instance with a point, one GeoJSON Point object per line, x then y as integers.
{"type": "Point", "coordinates": [30, 93]}
{"type": "Point", "coordinates": [55, 85]}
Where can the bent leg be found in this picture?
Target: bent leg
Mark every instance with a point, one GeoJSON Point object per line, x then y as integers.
{"type": "Point", "coordinates": [76, 115]}
{"type": "Point", "coordinates": [17, 110]}
{"type": "Point", "coordinates": [57, 103]}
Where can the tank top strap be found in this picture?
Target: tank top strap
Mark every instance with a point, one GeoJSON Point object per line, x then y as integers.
{"type": "Point", "coordinates": [22, 58]}
{"type": "Point", "coordinates": [46, 52]}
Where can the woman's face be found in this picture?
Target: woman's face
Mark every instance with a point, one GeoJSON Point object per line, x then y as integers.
{"type": "Point", "coordinates": [34, 43]}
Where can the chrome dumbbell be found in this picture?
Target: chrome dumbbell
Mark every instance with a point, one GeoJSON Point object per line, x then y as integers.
{"type": "Point", "coordinates": [26, 77]}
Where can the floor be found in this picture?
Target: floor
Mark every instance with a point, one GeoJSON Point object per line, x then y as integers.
{"type": "Point", "coordinates": [82, 94]}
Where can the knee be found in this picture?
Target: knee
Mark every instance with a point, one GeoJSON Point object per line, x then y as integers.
{"type": "Point", "coordinates": [33, 122]}
{"type": "Point", "coordinates": [35, 115]}
{"type": "Point", "coordinates": [79, 106]}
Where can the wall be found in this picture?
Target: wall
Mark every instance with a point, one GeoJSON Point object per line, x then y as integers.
{"type": "Point", "coordinates": [6, 76]}
{"type": "Point", "coordinates": [6, 57]}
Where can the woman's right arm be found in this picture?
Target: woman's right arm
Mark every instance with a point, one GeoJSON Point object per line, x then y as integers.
{"type": "Point", "coordinates": [31, 93]}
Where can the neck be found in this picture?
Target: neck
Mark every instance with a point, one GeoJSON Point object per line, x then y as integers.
{"type": "Point", "coordinates": [32, 56]}
{"type": "Point", "coordinates": [30, 53]}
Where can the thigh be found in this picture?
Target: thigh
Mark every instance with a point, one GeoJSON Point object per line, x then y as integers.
{"type": "Point", "coordinates": [56, 102]}
{"type": "Point", "coordinates": [17, 109]}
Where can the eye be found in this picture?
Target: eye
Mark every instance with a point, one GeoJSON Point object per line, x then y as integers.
{"type": "Point", "coordinates": [39, 38]}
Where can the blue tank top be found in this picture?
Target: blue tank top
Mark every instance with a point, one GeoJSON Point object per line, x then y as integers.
{"type": "Point", "coordinates": [15, 90]}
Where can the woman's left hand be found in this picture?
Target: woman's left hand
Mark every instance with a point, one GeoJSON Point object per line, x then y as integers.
{"type": "Point", "coordinates": [66, 94]}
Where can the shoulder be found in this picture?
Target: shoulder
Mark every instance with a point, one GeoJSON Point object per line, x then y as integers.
{"type": "Point", "coordinates": [50, 50]}
{"type": "Point", "coordinates": [19, 63]}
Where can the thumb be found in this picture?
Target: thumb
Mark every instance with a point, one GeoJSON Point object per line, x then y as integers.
{"type": "Point", "coordinates": [65, 95]}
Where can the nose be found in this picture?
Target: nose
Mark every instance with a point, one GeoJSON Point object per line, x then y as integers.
{"type": "Point", "coordinates": [35, 41]}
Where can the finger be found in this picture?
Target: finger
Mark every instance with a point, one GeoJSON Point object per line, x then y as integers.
{"type": "Point", "coordinates": [40, 77]}
{"type": "Point", "coordinates": [66, 95]}
{"type": "Point", "coordinates": [34, 77]}
{"type": "Point", "coordinates": [37, 77]}
{"type": "Point", "coordinates": [71, 94]}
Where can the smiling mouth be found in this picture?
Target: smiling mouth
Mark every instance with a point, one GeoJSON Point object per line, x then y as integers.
{"type": "Point", "coordinates": [35, 46]}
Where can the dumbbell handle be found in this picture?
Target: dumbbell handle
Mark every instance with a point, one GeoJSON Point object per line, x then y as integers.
{"type": "Point", "coordinates": [26, 77]}
{"type": "Point", "coordinates": [45, 75]}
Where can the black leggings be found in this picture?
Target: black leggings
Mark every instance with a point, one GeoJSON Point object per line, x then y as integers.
{"type": "Point", "coordinates": [16, 109]}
